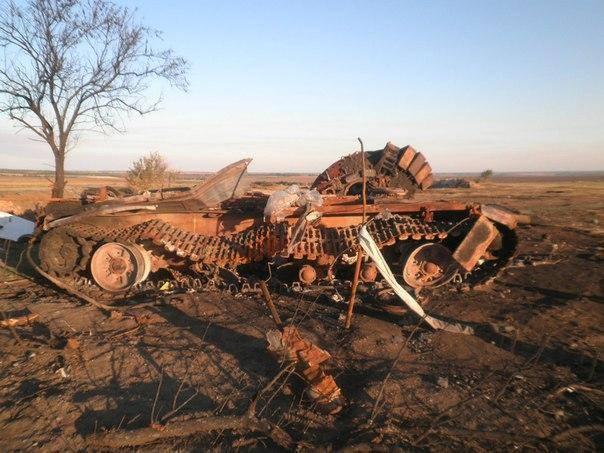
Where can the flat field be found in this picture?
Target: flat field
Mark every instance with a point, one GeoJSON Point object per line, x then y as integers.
{"type": "Point", "coordinates": [530, 377]}
{"type": "Point", "coordinates": [22, 192]}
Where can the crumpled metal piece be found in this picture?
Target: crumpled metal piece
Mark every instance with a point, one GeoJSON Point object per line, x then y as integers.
{"type": "Point", "coordinates": [289, 346]}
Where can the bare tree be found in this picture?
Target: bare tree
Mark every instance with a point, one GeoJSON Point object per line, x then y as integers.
{"type": "Point", "coordinates": [75, 65]}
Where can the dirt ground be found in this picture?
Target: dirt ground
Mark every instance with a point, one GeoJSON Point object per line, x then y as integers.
{"type": "Point", "coordinates": [531, 376]}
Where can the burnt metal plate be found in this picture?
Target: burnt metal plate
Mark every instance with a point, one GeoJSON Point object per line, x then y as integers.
{"type": "Point", "coordinates": [427, 182]}
{"type": "Point", "coordinates": [417, 164]}
{"type": "Point", "coordinates": [406, 157]}
{"type": "Point", "coordinates": [500, 214]}
{"type": "Point", "coordinates": [423, 173]}
{"type": "Point", "coordinates": [474, 245]}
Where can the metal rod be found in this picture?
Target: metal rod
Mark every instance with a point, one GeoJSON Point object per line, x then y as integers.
{"type": "Point", "coordinates": [271, 305]}
{"type": "Point", "coordinates": [364, 183]}
{"type": "Point", "coordinates": [357, 269]}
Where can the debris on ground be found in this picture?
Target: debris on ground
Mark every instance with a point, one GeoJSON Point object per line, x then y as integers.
{"type": "Point", "coordinates": [454, 183]}
{"type": "Point", "coordinates": [19, 321]}
{"type": "Point", "coordinates": [289, 347]}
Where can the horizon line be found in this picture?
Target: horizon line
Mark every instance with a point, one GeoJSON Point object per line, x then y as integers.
{"type": "Point", "coordinates": [495, 172]}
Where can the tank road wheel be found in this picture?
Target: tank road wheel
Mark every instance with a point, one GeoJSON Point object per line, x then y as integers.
{"type": "Point", "coordinates": [369, 273]}
{"type": "Point", "coordinates": [59, 252]}
{"type": "Point", "coordinates": [307, 274]}
{"type": "Point", "coordinates": [118, 267]}
{"type": "Point", "coordinates": [429, 266]}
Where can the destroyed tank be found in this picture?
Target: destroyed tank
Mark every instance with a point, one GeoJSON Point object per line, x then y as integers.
{"type": "Point", "coordinates": [214, 235]}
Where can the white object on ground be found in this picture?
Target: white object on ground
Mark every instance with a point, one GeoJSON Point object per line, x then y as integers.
{"type": "Point", "coordinates": [373, 251]}
{"type": "Point", "coordinates": [15, 228]}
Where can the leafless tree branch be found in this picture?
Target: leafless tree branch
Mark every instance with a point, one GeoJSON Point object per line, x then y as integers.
{"type": "Point", "coordinates": [74, 65]}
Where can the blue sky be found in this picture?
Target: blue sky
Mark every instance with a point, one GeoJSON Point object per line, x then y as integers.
{"type": "Point", "coordinates": [507, 85]}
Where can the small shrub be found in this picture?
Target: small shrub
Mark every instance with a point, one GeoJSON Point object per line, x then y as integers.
{"type": "Point", "coordinates": [150, 172]}
{"type": "Point", "coordinates": [487, 174]}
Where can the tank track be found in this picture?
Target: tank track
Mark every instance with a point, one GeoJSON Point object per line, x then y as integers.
{"type": "Point", "coordinates": [386, 169]}
{"type": "Point", "coordinates": [265, 241]}
{"type": "Point", "coordinates": [319, 244]}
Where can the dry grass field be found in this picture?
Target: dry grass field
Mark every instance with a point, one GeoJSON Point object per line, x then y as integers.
{"type": "Point", "coordinates": [20, 192]}
{"type": "Point", "coordinates": [530, 378]}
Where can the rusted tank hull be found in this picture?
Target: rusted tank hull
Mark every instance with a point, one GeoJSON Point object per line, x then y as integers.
{"type": "Point", "coordinates": [115, 250]}
{"type": "Point", "coordinates": [196, 245]}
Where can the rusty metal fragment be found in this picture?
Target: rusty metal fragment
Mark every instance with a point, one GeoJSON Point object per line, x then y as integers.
{"type": "Point", "coordinates": [429, 265]}
{"type": "Point", "coordinates": [417, 164]}
{"type": "Point", "coordinates": [307, 274]}
{"type": "Point", "coordinates": [475, 244]}
{"type": "Point", "coordinates": [289, 346]}
{"type": "Point", "coordinates": [406, 157]}
{"type": "Point", "coordinates": [19, 321]}
{"type": "Point", "coordinates": [500, 214]}
{"type": "Point", "coordinates": [369, 272]}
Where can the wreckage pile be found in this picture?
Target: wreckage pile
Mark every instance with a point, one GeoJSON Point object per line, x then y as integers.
{"type": "Point", "coordinates": [454, 183]}
{"type": "Point", "coordinates": [214, 235]}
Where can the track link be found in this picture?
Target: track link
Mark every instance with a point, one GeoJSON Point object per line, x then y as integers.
{"type": "Point", "coordinates": [263, 242]}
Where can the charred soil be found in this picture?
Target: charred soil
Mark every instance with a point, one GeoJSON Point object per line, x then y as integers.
{"type": "Point", "coordinates": [76, 378]}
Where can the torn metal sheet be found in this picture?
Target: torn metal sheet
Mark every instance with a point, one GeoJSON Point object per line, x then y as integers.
{"type": "Point", "coordinates": [373, 251]}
